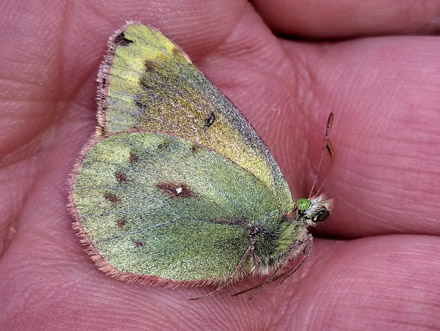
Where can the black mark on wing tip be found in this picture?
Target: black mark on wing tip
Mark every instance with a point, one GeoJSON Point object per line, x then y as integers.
{"type": "Point", "coordinates": [120, 40]}
{"type": "Point", "coordinates": [121, 177]}
{"type": "Point", "coordinates": [112, 198]}
{"type": "Point", "coordinates": [133, 157]}
{"type": "Point", "coordinates": [174, 190]}
{"type": "Point", "coordinates": [121, 223]}
{"type": "Point", "coordinates": [209, 120]}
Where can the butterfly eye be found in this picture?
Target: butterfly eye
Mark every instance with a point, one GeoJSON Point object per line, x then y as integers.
{"type": "Point", "coordinates": [303, 204]}
{"type": "Point", "coordinates": [321, 216]}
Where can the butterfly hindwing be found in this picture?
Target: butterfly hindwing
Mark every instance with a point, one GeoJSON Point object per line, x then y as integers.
{"type": "Point", "coordinates": [158, 205]}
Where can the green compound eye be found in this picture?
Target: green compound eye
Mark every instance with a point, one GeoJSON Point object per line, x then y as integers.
{"type": "Point", "coordinates": [303, 204]}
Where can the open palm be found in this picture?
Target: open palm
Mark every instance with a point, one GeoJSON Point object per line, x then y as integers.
{"type": "Point", "coordinates": [379, 266]}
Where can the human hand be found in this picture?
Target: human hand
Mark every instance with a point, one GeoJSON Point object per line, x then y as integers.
{"type": "Point", "coordinates": [377, 269]}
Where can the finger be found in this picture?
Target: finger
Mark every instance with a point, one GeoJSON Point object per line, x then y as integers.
{"type": "Point", "coordinates": [348, 19]}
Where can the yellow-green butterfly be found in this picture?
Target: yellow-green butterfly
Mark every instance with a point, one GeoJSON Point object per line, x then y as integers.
{"type": "Point", "coordinates": [175, 187]}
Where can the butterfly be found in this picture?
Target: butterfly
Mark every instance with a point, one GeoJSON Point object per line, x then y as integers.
{"type": "Point", "coordinates": [175, 187]}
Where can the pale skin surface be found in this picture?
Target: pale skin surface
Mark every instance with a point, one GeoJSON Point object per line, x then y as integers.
{"type": "Point", "coordinates": [381, 273]}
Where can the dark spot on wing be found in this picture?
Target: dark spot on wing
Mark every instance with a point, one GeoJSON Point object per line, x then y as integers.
{"type": "Point", "coordinates": [121, 223]}
{"type": "Point", "coordinates": [176, 52]}
{"type": "Point", "coordinates": [121, 177]}
{"type": "Point", "coordinates": [120, 40]}
{"type": "Point", "coordinates": [209, 120]}
{"type": "Point", "coordinates": [143, 81]}
{"type": "Point", "coordinates": [179, 55]}
{"type": "Point", "coordinates": [133, 157]}
{"type": "Point", "coordinates": [149, 65]}
{"type": "Point", "coordinates": [112, 198]}
{"type": "Point", "coordinates": [141, 104]}
{"type": "Point", "coordinates": [164, 144]}
{"type": "Point", "coordinates": [174, 190]}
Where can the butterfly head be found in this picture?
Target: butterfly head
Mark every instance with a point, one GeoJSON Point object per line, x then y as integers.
{"type": "Point", "coordinates": [313, 210]}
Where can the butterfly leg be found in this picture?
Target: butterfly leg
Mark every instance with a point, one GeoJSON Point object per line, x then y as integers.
{"type": "Point", "coordinates": [306, 253]}
{"type": "Point", "coordinates": [308, 241]}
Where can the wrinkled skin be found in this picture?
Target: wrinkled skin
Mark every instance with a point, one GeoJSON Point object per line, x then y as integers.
{"type": "Point", "coordinates": [286, 65]}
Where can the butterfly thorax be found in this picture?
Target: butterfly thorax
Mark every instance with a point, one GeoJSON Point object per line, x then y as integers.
{"type": "Point", "coordinates": [274, 248]}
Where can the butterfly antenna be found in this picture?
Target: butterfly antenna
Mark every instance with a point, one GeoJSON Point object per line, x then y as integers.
{"type": "Point", "coordinates": [329, 147]}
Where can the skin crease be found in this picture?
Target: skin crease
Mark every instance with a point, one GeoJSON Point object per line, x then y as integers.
{"type": "Point", "coordinates": [376, 264]}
